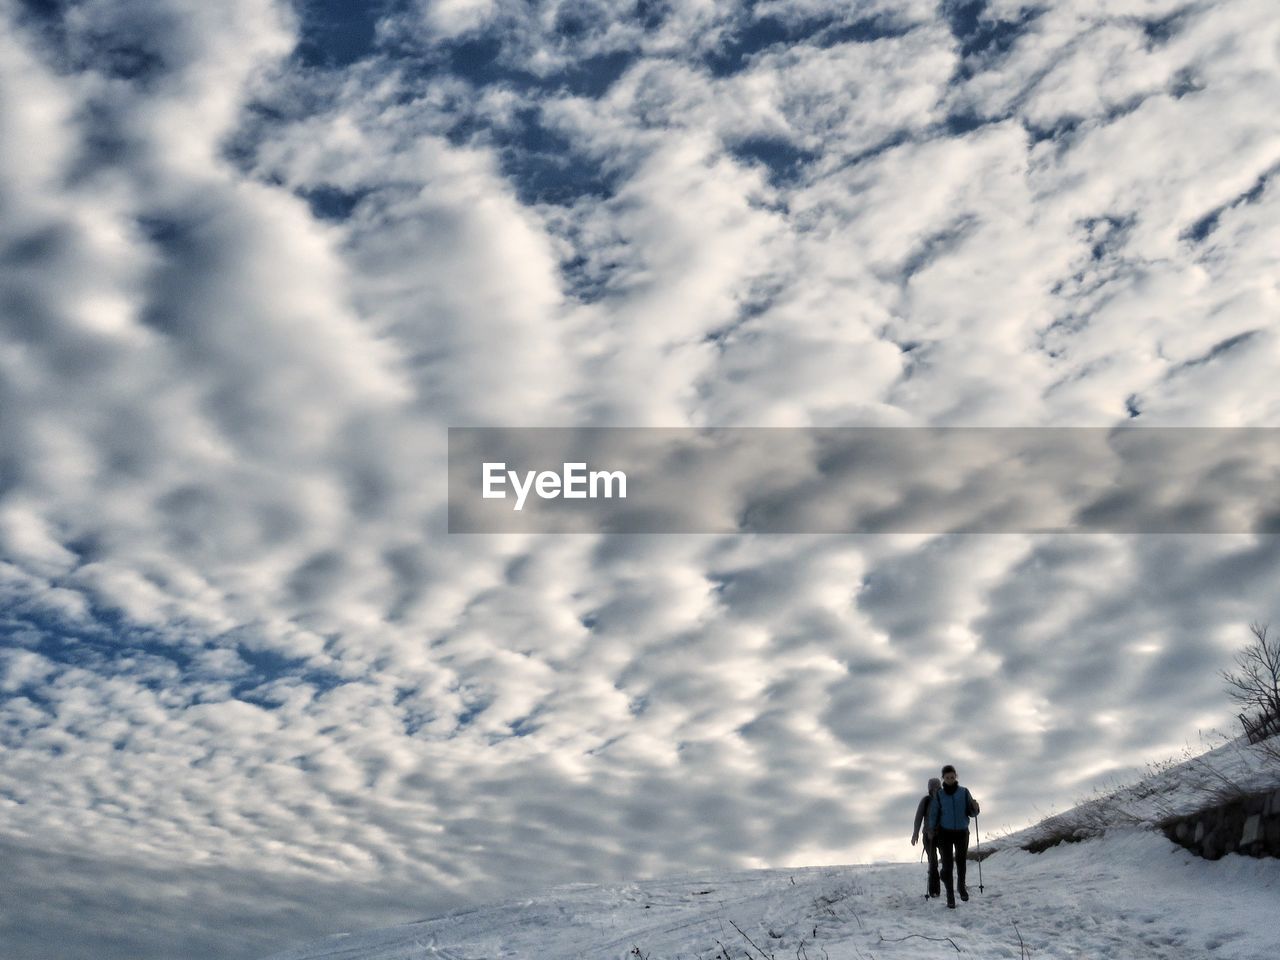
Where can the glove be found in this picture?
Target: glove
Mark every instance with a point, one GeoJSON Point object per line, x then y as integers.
{"type": "Point", "coordinates": [914, 838]}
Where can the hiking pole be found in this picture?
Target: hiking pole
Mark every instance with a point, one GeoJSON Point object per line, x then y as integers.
{"type": "Point", "coordinates": [977, 832]}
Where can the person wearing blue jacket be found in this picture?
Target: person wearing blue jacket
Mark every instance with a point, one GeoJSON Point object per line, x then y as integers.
{"type": "Point", "coordinates": [949, 815]}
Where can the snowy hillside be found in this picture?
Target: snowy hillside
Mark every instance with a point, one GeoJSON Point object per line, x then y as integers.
{"type": "Point", "coordinates": [1131, 894]}
{"type": "Point", "coordinates": [1128, 893]}
{"type": "Point", "coordinates": [1172, 790]}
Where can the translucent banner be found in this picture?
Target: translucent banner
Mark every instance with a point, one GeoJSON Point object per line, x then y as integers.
{"type": "Point", "coordinates": [864, 480]}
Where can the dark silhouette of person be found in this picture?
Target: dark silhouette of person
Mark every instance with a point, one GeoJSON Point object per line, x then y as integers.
{"type": "Point", "coordinates": [930, 848]}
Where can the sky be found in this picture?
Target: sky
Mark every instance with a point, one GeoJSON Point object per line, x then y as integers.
{"type": "Point", "coordinates": [256, 258]}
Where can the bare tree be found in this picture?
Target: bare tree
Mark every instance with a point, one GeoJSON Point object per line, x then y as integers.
{"type": "Point", "coordinates": [1255, 684]}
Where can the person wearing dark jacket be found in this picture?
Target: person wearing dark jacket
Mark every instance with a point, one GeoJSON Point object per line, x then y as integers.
{"type": "Point", "coordinates": [931, 848]}
{"type": "Point", "coordinates": [949, 815]}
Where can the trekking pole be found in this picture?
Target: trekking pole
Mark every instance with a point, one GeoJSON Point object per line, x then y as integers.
{"type": "Point", "coordinates": [977, 847]}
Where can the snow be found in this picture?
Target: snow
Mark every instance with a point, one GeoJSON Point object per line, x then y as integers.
{"type": "Point", "coordinates": [1233, 769]}
{"type": "Point", "coordinates": [1127, 893]}
{"type": "Point", "coordinates": [1130, 894]}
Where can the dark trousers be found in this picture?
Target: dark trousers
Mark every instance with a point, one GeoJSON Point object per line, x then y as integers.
{"type": "Point", "coordinates": [931, 849]}
{"type": "Point", "coordinates": [954, 847]}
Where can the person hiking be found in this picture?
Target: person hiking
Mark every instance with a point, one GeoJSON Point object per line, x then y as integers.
{"type": "Point", "coordinates": [949, 815]}
{"type": "Point", "coordinates": [930, 848]}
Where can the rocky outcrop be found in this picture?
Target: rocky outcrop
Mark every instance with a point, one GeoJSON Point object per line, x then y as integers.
{"type": "Point", "coordinates": [1248, 826]}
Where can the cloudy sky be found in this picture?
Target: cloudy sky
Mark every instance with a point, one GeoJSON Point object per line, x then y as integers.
{"type": "Point", "coordinates": [257, 257]}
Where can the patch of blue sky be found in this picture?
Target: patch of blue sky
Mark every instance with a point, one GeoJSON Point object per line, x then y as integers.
{"type": "Point", "coordinates": [332, 203]}
{"type": "Point", "coordinates": [983, 40]}
{"type": "Point", "coordinates": [1200, 230]}
{"type": "Point", "coordinates": [602, 748]}
{"type": "Point", "coordinates": [587, 279]}
{"type": "Point", "coordinates": [759, 300]}
{"type": "Point", "coordinates": [1107, 234]}
{"type": "Point", "coordinates": [960, 123]}
{"type": "Point", "coordinates": [497, 56]}
{"type": "Point", "coordinates": [479, 60]}
{"type": "Point", "coordinates": [129, 60]}
{"type": "Point", "coordinates": [110, 646]}
{"type": "Point", "coordinates": [45, 22]}
{"type": "Point", "coordinates": [45, 10]}
{"type": "Point", "coordinates": [1186, 82]}
{"type": "Point", "coordinates": [128, 50]}
{"type": "Point", "coordinates": [1217, 350]}
{"type": "Point", "coordinates": [103, 647]}
{"type": "Point", "coordinates": [267, 667]}
{"type": "Point", "coordinates": [81, 644]}
{"type": "Point", "coordinates": [413, 717]}
{"type": "Point", "coordinates": [760, 34]}
{"type": "Point", "coordinates": [524, 726]}
{"type": "Point", "coordinates": [982, 35]}
{"type": "Point", "coordinates": [1060, 130]}
{"type": "Point", "coordinates": [785, 161]}
{"type": "Point", "coordinates": [545, 167]}
{"type": "Point", "coordinates": [11, 470]}
{"type": "Point", "coordinates": [337, 33]}
{"type": "Point", "coordinates": [593, 76]}
{"type": "Point", "coordinates": [1063, 129]}
{"type": "Point", "coordinates": [542, 164]}
{"type": "Point", "coordinates": [937, 245]}
{"type": "Point", "coordinates": [894, 140]}
{"type": "Point", "coordinates": [412, 721]}
{"type": "Point", "coordinates": [1160, 30]}
{"type": "Point", "coordinates": [471, 711]}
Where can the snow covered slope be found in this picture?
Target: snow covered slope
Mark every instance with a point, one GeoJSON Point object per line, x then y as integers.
{"type": "Point", "coordinates": [1130, 895]}
{"type": "Point", "coordinates": [1172, 790]}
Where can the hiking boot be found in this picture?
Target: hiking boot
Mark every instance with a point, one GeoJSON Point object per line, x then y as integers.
{"type": "Point", "coordinates": [964, 894]}
{"type": "Point", "coordinates": [951, 902]}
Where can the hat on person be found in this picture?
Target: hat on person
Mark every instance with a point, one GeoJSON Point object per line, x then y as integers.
{"type": "Point", "coordinates": [934, 784]}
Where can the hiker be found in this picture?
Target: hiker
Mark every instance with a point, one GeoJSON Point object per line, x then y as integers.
{"type": "Point", "coordinates": [930, 848]}
{"type": "Point", "coordinates": [949, 815]}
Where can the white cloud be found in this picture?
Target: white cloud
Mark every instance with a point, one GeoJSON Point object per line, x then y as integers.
{"type": "Point", "coordinates": [241, 653]}
{"type": "Point", "coordinates": [453, 17]}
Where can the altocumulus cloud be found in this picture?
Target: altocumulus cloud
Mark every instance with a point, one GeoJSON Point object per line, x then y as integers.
{"type": "Point", "coordinates": [255, 258]}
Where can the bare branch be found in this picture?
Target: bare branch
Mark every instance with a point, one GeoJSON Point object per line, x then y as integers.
{"type": "Point", "coordinates": [1255, 683]}
{"type": "Point", "coordinates": [767, 956]}
{"type": "Point", "coordinates": [884, 939]}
